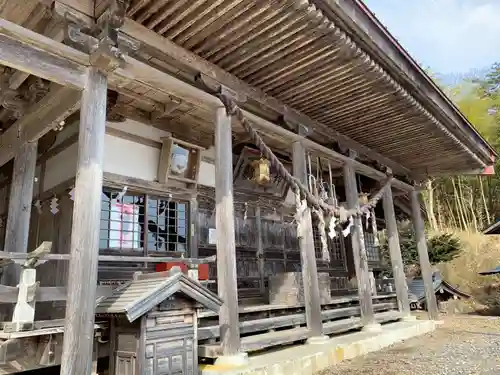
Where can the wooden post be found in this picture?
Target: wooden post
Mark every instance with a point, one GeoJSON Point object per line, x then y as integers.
{"type": "Point", "coordinates": [18, 218]}
{"type": "Point", "coordinates": [359, 252]}
{"type": "Point", "coordinates": [84, 252]}
{"type": "Point", "coordinates": [226, 246]}
{"type": "Point", "coordinates": [260, 250]}
{"type": "Point", "coordinates": [423, 255]}
{"type": "Point", "coordinates": [307, 254]}
{"type": "Point", "coordinates": [395, 252]}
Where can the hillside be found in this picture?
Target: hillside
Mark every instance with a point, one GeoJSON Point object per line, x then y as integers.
{"type": "Point", "coordinates": [479, 253]}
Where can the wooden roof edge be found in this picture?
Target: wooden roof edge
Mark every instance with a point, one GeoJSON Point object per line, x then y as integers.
{"type": "Point", "coordinates": [454, 290]}
{"type": "Point", "coordinates": [492, 228]}
{"type": "Point", "coordinates": [167, 287]}
{"type": "Point", "coordinates": [362, 24]}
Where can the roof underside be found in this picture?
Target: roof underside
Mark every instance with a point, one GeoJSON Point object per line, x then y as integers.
{"type": "Point", "coordinates": [290, 51]}
{"type": "Point", "coordinates": [293, 52]}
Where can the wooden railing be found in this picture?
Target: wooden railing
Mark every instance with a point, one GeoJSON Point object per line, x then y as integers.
{"type": "Point", "coordinates": [28, 292]}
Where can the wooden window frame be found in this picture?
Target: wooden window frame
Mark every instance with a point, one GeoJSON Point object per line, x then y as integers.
{"type": "Point", "coordinates": [155, 190]}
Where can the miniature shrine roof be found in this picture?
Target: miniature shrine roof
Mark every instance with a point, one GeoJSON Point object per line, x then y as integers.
{"type": "Point", "coordinates": [137, 297]}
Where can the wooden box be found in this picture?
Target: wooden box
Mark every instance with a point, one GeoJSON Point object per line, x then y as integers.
{"type": "Point", "coordinates": [287, 288]}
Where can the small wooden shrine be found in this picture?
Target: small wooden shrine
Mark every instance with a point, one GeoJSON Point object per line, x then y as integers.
{"type": "Point", "coordinates": [153, 323]}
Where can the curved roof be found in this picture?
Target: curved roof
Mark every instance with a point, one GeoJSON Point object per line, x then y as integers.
{"type": "Point", "coordinates": [416, 289]}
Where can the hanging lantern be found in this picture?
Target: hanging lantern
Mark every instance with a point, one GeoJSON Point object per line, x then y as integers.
{"type": "Point", "coordinates": [363, 198]}
{"type": "Point", "coordinates": [261, 173]}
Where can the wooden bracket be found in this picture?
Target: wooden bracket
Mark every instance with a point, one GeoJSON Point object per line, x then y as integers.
{"type": "Point", "coordinates": [163, 110]}
{"type": "Point", "coordinates": [12, 99]}
{"type": "Point", "coordinates": [101, 40]}
{"type": "Point", "coordinates": [211, 85]}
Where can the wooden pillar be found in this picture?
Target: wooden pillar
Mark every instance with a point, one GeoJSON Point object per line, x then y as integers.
{"type": "Point", "coordinates": [20, 201]}
{"type": "Point", "coordinates": [423, 255]}
{"type": "Point", "coordinates": [395, 252]}
{"type": "Point", "coordinates": [84, 251]}
{"type": "Point", "coordinates": [226, 247]}
{"type": "Point", "coordinates": [359, 251]}
{"type": "Point", "coordinates": [260, 250]}
{"type": "Point", "coordinates": [307, 253]}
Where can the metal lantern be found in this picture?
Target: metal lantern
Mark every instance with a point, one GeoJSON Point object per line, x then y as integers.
{"type": "Point", "coordinates": [261, 172]}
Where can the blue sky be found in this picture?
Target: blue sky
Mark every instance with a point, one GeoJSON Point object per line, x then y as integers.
{"type": "Point", "coordinates": [448, 36]}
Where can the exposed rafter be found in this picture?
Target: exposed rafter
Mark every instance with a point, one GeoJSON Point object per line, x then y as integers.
{"type": "Point", "coordinates": [74, 63]}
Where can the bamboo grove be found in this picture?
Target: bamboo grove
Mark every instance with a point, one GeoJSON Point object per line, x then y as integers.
{"type": "Point", "coordinates": [470, 202]}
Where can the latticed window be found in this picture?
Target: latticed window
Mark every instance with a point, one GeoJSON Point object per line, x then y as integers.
{"type": "Point", "coordinates": [134, 222]}
{"type": "Point", "coordinates": [336, 247]}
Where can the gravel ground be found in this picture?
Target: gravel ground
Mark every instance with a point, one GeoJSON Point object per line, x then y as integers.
{"type": "Point", "coordinates": [464, 344]}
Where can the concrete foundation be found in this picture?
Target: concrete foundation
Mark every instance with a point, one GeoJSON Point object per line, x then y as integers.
{"type": "Point", "coordinates": [307, 359]}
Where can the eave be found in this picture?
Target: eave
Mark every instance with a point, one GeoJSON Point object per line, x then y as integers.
{"type": "Point", "coordinates": [364, 27]}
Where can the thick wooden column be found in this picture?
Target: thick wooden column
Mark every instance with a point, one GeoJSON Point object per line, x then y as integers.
{"type": "Point", "coordinates": [18, 218]}
{"type": "Point", "coordinates": [84, 251]}
{"type": "Point", "coordinates": [423, 255]}
{"type": "Point", "coordinates": [395, 252]}
{"type": "Point", "coordinates": [359, 251]}
{"type": "Point", "coordinates": [226, 247]}
{"type": "Point", "coordinates": [307, 253]}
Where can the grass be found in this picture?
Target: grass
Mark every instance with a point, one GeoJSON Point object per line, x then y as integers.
{"type": "Point", "coordinates": [479, 253]}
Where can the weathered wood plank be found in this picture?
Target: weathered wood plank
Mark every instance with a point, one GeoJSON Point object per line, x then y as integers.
{"type": "Point", "coordinates": [8, 294]}
{"type": "Point", "coordinates": [225, 241]}
{"type": "Point", "coordinates": [307, 253]}
{"type": "Point", "coordinates": [270, 339]}
{"type": "Point", "coordinates": [78, 337]}
{"type": "Point", "coordinates": [293, 320]}
{"type": "Point", "coordinates": [33, 53]}
{"type": "Point", "coordinates": [423, 255]}
{"type": "Point", "coordinates": [358, 248]}
{"type": "Point", "coordinates": [17, 257]}
{"type": "Point", "coordinates": [395, 253]}
{"type": "Point", "coordinates": [18, 220]}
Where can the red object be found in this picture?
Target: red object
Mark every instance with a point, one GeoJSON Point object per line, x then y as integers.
{"type": "Point", "coordinates": [202, 268]}
{"type": "Point", "coordinates": [161, 267]}
{"type": "Point", "coordinates": [203, 272]}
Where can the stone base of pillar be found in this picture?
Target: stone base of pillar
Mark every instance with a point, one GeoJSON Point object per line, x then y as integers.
{"type": "Point", "coordinates": [235, 360]}
{"type": "Point", "coordinates": [372, 328]}
{"type": "Point", "coordinates": [317, 340]}
{"type": "Point", "coordinates": [408, 318]}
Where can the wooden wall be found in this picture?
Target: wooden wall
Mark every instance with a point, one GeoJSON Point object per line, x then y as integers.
{"type": "Point", "coordinates": [266, 244]}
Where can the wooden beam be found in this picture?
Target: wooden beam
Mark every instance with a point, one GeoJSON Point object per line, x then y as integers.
{"type": "Point", "coordinates": [423, 255]}
{"type": "Point", "coordinates": [8, 294]}
{"type": "Point", "coordinates": [225, 240]}
{"type": "Point", "coordinates": [395, 253]}
{"type": "Point", "coordinates": [18, 218]}
{"type": "Point", "coordinates": [32, 53]}
{"type": "Point", "coordinates": [168, 48]}
{"type": "Point", "coordinates": [264, 125]}
{"type": "Point", "coordinates": [307, 253]}
{"type": "Point", "coordinates": [359, 250]}
{"type": "Point", "coordinates": [55, 107]}
{"type": "Point", "coordinates": [78, 331]}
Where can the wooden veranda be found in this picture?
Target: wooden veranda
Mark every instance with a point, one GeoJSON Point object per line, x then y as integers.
{"type": "Point", "coordinates": [236, 134]}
